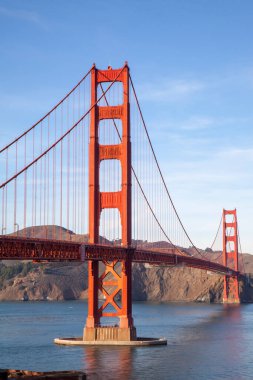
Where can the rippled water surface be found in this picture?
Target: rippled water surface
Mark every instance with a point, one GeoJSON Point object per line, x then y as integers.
{"type": "Point", "coordinates": [204, 341]}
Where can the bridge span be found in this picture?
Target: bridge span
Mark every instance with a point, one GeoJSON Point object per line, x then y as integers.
{"type": "Point", "coordinates": [18, 248]}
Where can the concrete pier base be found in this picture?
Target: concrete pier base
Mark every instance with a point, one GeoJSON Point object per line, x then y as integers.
{"type": "Point", "coordinates": [141, 342]}
{"type": "Point", "coordinates": [110, 336]}
{"type": "Point", "coordinates": [109, 333]}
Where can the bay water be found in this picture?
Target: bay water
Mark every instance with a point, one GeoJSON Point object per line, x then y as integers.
{"type": "Point", "coordinates": [205, 341]}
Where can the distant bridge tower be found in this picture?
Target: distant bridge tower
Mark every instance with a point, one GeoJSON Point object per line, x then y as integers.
{"type": "Point", "coordinates": [120, 279]}
{"type": "Point", "coordinates": [230, 256]}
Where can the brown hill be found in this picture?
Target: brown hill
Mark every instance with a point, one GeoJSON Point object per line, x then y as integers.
{"type": "Point", "coordinates": [65, 281]}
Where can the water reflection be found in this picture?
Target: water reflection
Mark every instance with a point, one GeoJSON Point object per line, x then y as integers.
{"type": "Point", "coordinates": [108, 362]}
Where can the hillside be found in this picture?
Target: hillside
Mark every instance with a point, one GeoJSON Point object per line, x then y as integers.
{"type": "Point", "coordinates": [67, 281]}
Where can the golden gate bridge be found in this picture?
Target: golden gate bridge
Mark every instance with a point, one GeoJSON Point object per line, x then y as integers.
{"type": "Point", "coordinates": [84, 184]}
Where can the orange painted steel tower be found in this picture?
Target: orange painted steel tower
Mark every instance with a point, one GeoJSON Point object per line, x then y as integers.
{"type": "Point", "coordinates": [230, 256]}
{"type": "Point", "coordinates": [120, 278]}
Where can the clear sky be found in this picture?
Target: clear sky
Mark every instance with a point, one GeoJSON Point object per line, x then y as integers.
{"type": "Point", "coordinates": [192, 64]}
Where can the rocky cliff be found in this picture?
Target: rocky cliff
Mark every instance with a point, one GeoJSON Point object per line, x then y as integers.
{"type": "Point", "coordinates": [64, 281]}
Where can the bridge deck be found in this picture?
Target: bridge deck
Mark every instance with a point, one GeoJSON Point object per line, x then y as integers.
{"type": "Point", "coordinates": [20, 248]}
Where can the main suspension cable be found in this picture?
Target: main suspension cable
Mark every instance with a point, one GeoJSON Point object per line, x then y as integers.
{"type": "Point", "coordinates": [217, 233]}
{"type": "Point", "coordinates": [63, 136]}
{"type": "Point", "coordinates": [45, 116]}
{"type": "Point", "coordinates": [139, 184]}
{"type": "Point", "coordinates": [159, 169]}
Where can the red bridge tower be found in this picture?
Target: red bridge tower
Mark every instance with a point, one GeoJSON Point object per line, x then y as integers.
{"type": "Point", "coordinates": [230, 256]}
{"type": "Point", "coordinates": [119, 279]}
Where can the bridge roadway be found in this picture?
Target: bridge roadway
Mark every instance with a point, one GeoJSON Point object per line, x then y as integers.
{"type": "Point", "coordinates": [21, 248]}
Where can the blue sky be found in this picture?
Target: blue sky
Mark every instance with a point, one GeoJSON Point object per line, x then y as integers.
{"type": "Point", "coordinates": [192, 64]}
